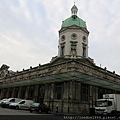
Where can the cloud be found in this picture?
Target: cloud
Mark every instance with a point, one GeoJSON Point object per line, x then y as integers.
{"type": "Point", "coordinates": [104, 36]}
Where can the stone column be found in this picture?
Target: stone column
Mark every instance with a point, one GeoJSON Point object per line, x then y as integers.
{"type": "Point", "coordinates": [27, 92]}
{"type": "Point", "coordinates": [2, 94]}
{"type": "Point", "coordinates": [19, 92]}
{"type": "Point", "coordinates": [8, 92]}
{"type": "Point", "coordinates": [96, 93]}
{"type": "Point", "coordinates": [36, 91]}
{"type": "Point", "coordinates": [73, 91]}
{"type": "Point", "coordinates": [70, 99]}
{"type": "Point", "coordinates": [13, 92]}
{"type": "Point", "coordinates": [65, 95]}
{"type": "Point", "coordinates": [52, 91]}
{"type": "Point", "coordinates": [49, 94]}
{"type": "Point", "coordinates": [46, 92]}
{"type": "Point", "coordinates": [52, 96]}
{"type": "Point", "coordinates": [70, 90]}
{"type": "Point", "coordinates": [72, 96]}
{"type": "Point", "coordinates": [91, 97]}
{"type": "Point", "coordinates": [78, 88]}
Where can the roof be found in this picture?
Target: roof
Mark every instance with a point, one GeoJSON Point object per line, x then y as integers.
{"type": "Point", "coordinates": [74, 7]}
{"type": "Point", "coordinates": [74, 20]}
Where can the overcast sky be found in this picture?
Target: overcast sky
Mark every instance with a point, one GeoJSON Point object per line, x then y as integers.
{"type": "Point", "coordinates": [29, 31]}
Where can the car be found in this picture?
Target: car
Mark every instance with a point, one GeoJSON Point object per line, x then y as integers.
{"type": "Point", "coordinates": [7, 102]}
{"type": "Point", "coordinates": [38, 107]}
{"type": "Point", "coordinates": [1, 101]}
{"type": "Point", "coordinates": [23, 104]}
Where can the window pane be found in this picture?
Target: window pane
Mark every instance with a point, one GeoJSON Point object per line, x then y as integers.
{"type": "Point", "coordinates": [84, 92]}
{"type": "Point", "coordinates": [58, 90]}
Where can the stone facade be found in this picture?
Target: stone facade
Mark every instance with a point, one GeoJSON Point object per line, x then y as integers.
{"type": "Point", "coordinates": [72, 85]}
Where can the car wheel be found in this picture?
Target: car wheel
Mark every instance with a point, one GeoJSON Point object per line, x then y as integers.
{"type": "Point", "coordinates": [39, 111]}
{"type": "Point", "coordinates": [7, 105]}
{"type": "Point", "coordinates": [31, 111]}
{"type": "Point", "coordinates": [17, 107]}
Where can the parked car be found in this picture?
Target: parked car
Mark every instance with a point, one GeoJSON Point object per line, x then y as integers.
{"type": "Point", "coordinates": [39, 108]}
{"type": "Point", "coordinates": [1, 101]}
{"type": "Point", "coordinates": [23, 104]}
{"type": "Point", "coordinates": [7, 102]}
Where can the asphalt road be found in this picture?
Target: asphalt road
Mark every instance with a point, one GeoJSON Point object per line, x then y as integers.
{"type": "Point", "coordinates": [12, 114]}
{"type": "Point", "coordinates": [7, 111]}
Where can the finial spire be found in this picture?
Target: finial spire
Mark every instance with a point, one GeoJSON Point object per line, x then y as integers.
{"type": "Point", "coordinates": [74, 9]}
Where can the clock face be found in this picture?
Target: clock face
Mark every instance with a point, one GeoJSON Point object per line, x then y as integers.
{"type": "Point", "coordinates": [74, 36]}
{"type": "Point", "coordinates": [63, 37]}
{"type": "Point", "coordinates": [84, 38]}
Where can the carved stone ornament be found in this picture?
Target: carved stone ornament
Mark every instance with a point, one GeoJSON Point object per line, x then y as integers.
{"type": "Point", "coordinates": [2, 74]}
{"type": "Point", "coordinates": [73, 53]}
{"type": "Point", "coordinates": [3, 71]}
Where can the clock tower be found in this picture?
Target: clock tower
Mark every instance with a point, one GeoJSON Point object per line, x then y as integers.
{"type": "Point", "coordinates": [73, 37]}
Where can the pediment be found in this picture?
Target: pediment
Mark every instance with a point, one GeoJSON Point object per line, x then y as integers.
{"type": "Point", "coordinates": [4, 67]}
{"type": "Point", "coordinates": [86, 61]}
{"type": "Point", "coordinates": [58, 60]}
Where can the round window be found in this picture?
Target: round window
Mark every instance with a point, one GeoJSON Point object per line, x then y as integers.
{"type": "Point", "coordinates": [63, 38]}
{"type": "Point", "coordinates": [84, 38]}
{"type": "Point", "coordinates": [74, 36]}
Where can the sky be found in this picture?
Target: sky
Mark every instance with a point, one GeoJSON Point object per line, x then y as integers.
{"type": "Point", "coordinates": [29, 31]}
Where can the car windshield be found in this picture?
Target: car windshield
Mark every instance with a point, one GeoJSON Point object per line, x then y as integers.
{"type": "Point", "coordinates": [102, 103]}
{"type": "Point", "coordinates": [36, 104]}
{"type": "Point", "coordinates": [21, 102]}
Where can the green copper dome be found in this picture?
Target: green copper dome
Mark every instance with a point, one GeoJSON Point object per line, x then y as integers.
{"type": "Point", "coordinates": [74, 20]}
{"type": "Point", "coordinates": [74, 7]}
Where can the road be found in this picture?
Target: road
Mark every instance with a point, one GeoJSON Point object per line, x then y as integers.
{"type": "Point", "coordinates": [7, 111]}
{"type": "Point", "coordinates": [12, 114]}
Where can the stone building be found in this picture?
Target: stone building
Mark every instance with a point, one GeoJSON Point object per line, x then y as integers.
{"type": "Point", "coordinates": [71, 80]}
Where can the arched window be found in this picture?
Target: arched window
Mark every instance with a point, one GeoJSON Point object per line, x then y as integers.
{"type": "Point", "coordinates": [84, 51]}
{"type": "Point", "coordinates": [62, 49]}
